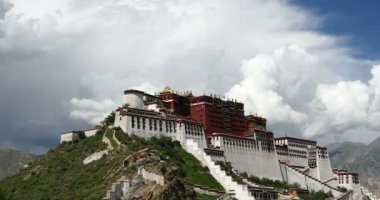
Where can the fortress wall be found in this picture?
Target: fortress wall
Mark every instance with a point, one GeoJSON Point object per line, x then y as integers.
{"type": "Point", "coordinates": [241, 191]}
{"type": "Point", "coordinates": [307, 182]}
{"type": "Point", "coordinates": [135, 100]}
{"type": "Point", "coordinates": [118, 189]}
{"type": "Point", "coordinates": [126, 126]}
{"type": "Point", "coordinates": [90, 132]}
{"type": "Point", "coordinates": [291, 160]}
{"type": "Point", "coordinates": [251, 158]}
{"type": "Point", "coordinates": [67, 137]}
{"type": "Point", "coordinates": [118, 117]}
{"type": "Point", "coordinates": [325, 172]}
{"type": "Point", "coordinates": [180, 131]}
{"type": "Point", "coordinates": [159, 179]}
{"type": "Point", "coordinates": [70, 136]}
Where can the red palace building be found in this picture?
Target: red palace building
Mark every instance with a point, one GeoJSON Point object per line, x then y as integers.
{"type": "Point", "coordinates": [216, 115]}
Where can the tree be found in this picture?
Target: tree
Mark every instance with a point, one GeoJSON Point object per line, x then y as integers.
{"type": "Point", "coordinates": [2, 195]}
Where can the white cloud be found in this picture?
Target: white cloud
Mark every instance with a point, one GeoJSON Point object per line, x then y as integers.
{"type": "Point", "coordinates": [270, 82]}
{"type": "Point", "coordinates": [292, 86]}
{"type": "Point", "coordinates": [5, 6]}
{"type": "Point", "coordinates": [87, 52]}
{"type": "Point", "coordinates": [345, 106]}
{"type": "Point", "coordinates": [95, 108]}
{"type": "Point", "coordinates": [90, 110]}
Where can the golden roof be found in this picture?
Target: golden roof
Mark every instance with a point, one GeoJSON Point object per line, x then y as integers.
{"type": "Point", "coordinates": [167, 89]}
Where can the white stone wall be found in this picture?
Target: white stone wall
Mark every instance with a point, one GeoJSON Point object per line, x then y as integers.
{"type": "Point", "coordinates": [176, 130]}
{"type": "Point", "coordinates": [325, 172]}
{"type": "Point", "coordinates": [118, 189]}
{"type": "Point", "coordinates": [66, 137]}
{"type": "Point", "coordinates": [159, 179]}
{"type": "Point", "coordinates": [69, 136]}
{"type": "Point", "coordinates": [90, 132]}
{"type": "Point", "coordinates": [294, 160]}
{"type": "Point", "coordinates": [251, 159]}
{"type": "Point", "coordinates": [241, 191]}
{"type": "Point", "coordinates": [293, 176]}
{"type": "Point", "coordinates": [153, 107]}
{"type": "Point", "coordinates": [135, 100]}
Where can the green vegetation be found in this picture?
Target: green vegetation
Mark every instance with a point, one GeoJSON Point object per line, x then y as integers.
{"type": "Point", "coordinates": [272, 183]}
{"type": "Point", "coordinates": [109, 135]}
{"type": "Point", "coordinates": [172, 150]}
{"type": "Point", "coordinates": [2, 195]}
{"type": "Point", "coordinates": [206, 197]}
{"type": "Point", "coordinates": [61, 174]}
{"type": "Point", "coordinates": [320, 195]}
{"type": "Point", "coordinates": [109, 120]}
{"type": "Point", "coordinates": [278, 185]}
{"type": "Point", "coordinates": [342, 189]}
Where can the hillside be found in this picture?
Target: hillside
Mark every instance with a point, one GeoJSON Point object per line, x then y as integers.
{"type": "Point", "coordinates": [11, 161]}
{"type": "Point", "coordinates": [61, 174]}
{"type": "Point", "coordinates": [361, 158]}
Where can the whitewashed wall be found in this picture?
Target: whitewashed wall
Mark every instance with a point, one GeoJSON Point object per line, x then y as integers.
{"type": "Point", "coordinates": [66, 137]}
{"type": "Point", "coordinates": [252, 160]}
{"type": "Point", "coordinates": [90, 132]}
{"type": "Point", "coordinates": [180, 131]}
{"type": "Point", "coordinates": [135, 100]}
{"type": "Point", "coordinates": [325, 172]}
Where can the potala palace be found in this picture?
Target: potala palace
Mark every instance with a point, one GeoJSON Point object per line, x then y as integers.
{"type": "Point", "coordinates": [213, 129]}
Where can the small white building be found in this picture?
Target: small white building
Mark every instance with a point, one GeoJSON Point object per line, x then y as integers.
{"type": "Point", "coordinates": [71, 135]}
{"type": "Point", "coordinates": [348, 180]}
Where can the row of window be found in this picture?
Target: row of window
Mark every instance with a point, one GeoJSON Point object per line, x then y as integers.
{"type": "Point", "coordinates": [341, 179]}
{"type": "Point", "coordinates": [193, 129]}
{"type": "Point", "coordinates": [291, 155]}
{"type": "Point", "coordinates": [153, 124]}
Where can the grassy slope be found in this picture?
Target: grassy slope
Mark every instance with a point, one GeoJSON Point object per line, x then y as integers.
{"type": "Point", "coordinates": [109, 135]}
{"type": "Point", "coordinates": [195, 173]}
{"type": "Point", "coordinates": [60, 174]}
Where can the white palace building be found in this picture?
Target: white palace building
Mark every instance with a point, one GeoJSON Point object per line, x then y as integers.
{"type": "Point", "coordinates": [206, 127]}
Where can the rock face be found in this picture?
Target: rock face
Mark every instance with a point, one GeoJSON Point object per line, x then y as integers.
{"type": "Point", "coordinates": [361, 158]}
{"type": "Point", "coordinates": [13, 160]}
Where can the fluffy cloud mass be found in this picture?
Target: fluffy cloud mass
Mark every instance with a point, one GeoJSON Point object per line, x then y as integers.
{"type": "Point", "coordinates": [65, 63]}
{"type": "Point", "coordinates": [346, 105]}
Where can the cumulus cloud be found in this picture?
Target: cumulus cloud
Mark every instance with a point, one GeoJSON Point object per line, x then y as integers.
{"type": "Point", "coordinates": [346, 105]}
{"type": "Point", "coordinates": [294, 87]}
{"type": "Point", "coordinates": [91, 111]}
{"type": "Point", "coordinates": [270, 80]}
{"type": "Point", "coordinates": [76, 57]}
{"type": "Point", "coordinates": [5, 6]}
{"type": "Point", "coordinates": [103, 98]}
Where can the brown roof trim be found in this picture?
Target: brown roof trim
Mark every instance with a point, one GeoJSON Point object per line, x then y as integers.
{"type": "Point", "coordinates": [293, 138]}
{"type": "Point", "coordinates": [347, 173]}
{"type": "Point", "coordinates": [231, 136]}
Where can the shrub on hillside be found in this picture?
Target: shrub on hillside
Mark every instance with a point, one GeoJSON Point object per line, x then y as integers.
{"type": "Point", "coordinates": [2, 195]}
{"type": "Point", "coordinates": [320, 195]}
{"type": "Point", "coordinates": [109, 120]}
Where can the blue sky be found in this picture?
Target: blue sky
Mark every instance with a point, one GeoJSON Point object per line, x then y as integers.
{"type": "Point", "coordinates": [358, 20]}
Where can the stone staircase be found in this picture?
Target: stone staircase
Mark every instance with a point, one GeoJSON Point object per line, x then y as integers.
{"type": "Point", "coordinates": [237, 190]}
{"type": "Point", "coordinates": [310, 179]}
